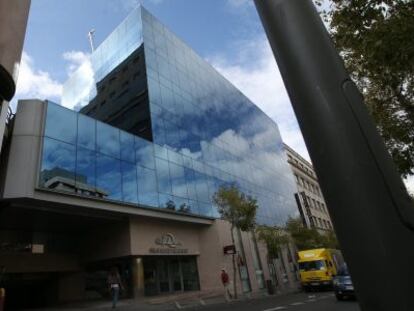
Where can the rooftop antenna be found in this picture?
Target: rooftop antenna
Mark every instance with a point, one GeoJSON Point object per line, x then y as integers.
{"type": "Point", "coordinates": [90, 37]}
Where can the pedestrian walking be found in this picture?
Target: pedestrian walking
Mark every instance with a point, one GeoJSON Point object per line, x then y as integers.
{"type": "Point", "coordinates": [226, 283]}
{"type": "Point", "coordinates": [115, 285]}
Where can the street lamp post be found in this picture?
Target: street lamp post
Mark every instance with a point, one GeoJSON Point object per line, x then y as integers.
{"type": "Point", "coordinates": [369, 205]}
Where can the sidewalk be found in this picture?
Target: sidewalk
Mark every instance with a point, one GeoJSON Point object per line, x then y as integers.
{"type": "Point", "coordinates": [161, 304]}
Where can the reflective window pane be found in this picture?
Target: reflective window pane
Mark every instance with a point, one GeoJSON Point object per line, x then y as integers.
{"type": "Point", "coordinates": [144, 153]}
{"type": "Point", "coordinates": [163, 176]}
{"type": "Point", "coordinates": [61, 123]}
{"type": "Point", "coordinates": [179, 186]}
{"type": "Point", "coordinates": [58, 166]}
{"type": "Point", "coordinates": [85, 172]}
{"type": "Point", "coordinates": [129, 182]}
{"type": "Point", "coordinates": [108, 177]}
{"type": "Point", "coordinates": [127, 147]}
{"type": "Point", "coordinates": [86, 132]}
{"type": "Point", "coordinates": [107, 140]}
{"type": "Point", "coordinates": [147, 187]}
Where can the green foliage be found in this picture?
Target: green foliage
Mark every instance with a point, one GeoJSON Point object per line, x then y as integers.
{"type": "Point", "coordinates": [274, 237]}
{"type": "Point", "coordinates": [375, 39]}
{"type": "Point", "coordinates": [305, 238]}
{"type": "Point", "coordinates": [236, 207]}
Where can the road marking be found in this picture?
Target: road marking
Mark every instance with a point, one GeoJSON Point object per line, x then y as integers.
{"type": "Point", "coordinates": [311, 300]}
{"type": "Point", "coordinates": [297, 303]}
{"type": "Point", "coordinates": [274, 309]}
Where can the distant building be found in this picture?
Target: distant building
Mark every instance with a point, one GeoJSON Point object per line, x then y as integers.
{"type": "Point", "coordinates": [311, 203]}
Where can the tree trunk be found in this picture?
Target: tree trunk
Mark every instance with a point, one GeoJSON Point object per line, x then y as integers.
{"type": "Point", "coordinates": [234, 265]}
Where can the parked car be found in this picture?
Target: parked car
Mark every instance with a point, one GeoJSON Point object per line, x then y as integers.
{"type": "Point", "coordinates": [342, 284]}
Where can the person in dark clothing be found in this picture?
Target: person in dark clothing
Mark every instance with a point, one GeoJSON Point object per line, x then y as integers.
{"type": "Point", "coordinates": [115, 285]}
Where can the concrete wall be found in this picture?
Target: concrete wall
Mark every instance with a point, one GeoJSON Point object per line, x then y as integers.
{"type": "Point", "coordinates": [144, 232]}
{"type": "Point", "coordinates": [24, 155]}
{"type": "Point", "coordinates": [13, 21]}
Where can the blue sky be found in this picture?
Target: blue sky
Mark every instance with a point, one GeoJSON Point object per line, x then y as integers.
{"type": "Point", "coordinates": [227, 33]}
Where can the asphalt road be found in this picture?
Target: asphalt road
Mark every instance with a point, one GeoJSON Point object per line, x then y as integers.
{"type": "Point", "coordinates": [324, 301]}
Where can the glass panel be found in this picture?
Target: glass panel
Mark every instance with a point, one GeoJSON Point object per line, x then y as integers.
{"type": "Point", "coordinates": [86, 132]}
{"type": "Point", "coordinates": [108, 176]}
{"type": "Point", "coordinates": [129, 182]}
{"type": "Point", "coordinates": [205, 209]}
{"type": "Point", "coordinates": [85, 172]}
{"type": "Point", "coordinates": [175, 274]}
{"type": "Point", "coordinates": [201, 187]}
{"type": "Point", "coordinates": [191, 183]}
{"type": "Point", "coordinates": [61, 123]}
{"type": "Point", "coordinates": [163, 176]}
{"type": "Point", "coordinates": [179, 186]}
{"type": "Point", "coordinates": [190, 273]}
{"type": "Point", "coordinates": [127, 147]}
{"type": "Point", "coordinates": [167, 201]}
{"type": "Point", "coordinates": [58, 166]}
{"type": "Point", "coordinates": [107, 140]}
{"type": "Point", "coordinates": [147, 187]}
{"type": "Point", "coordinates": [163, 277]}
{"type": "Point", "coordinates": [144, 153]}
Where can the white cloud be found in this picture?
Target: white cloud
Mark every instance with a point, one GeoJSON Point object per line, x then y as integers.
{"type": "Point", "coordinates": [81, 80]}
{"type": "Point", "coordinates": [240, 3]}
{"type": "Point", "coordinates": [75, 59]}
{"type": "Point", "coordinates": [254, 71]}
{"type": "Point", "coordinates": [35, 83]}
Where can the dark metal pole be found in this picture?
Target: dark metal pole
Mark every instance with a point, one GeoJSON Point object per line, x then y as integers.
{"type": "Point", "coordinates": [369, 205]}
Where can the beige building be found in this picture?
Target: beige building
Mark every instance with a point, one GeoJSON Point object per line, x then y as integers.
{"type": "Point", "coordinates": [13, 21]}
{"type": "Point", "coordinates": [312, 205]}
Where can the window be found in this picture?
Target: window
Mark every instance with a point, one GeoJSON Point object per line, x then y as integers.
{"type": "Point", "coordinates": [147, 187]}
{"type": "Point", "coordinates": [85, 171]}
{"type": "Point", "coordinates": [86, 132]}
{"type": "Point", "coordinates": [312, 265]}
{"type": "Point", "coordinates": [107, 140]}
{"type": "Point", "coordinates": [136, 75]}
{"type": "Point", "coordinates": [58, 165]}
{"type": "Point", "coordinates": [61, 124]}
{"type": "Point", "coordinates": [129, 182]}
{"type": "Point", "coordinates": [108, 177]}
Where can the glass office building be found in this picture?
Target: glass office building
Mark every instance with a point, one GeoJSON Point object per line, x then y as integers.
{"type": "Point", "coordinates": [159, 127]}
{"type": "Point", "coordinates": [126, 178]}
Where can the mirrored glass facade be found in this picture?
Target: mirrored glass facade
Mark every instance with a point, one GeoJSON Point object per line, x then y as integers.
{"type": "Point", "coordinates": [168, 143]}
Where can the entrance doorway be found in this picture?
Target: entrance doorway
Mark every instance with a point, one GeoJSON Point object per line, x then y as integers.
{"type": "Point", "coordinates": [170, 274]}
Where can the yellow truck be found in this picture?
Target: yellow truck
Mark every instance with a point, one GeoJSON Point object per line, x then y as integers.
{"type": "Point", "coordinates": [317, 267]}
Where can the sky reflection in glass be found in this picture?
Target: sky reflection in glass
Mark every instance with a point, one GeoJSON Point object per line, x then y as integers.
{"type": "Point", "coordinates": [206, 133]}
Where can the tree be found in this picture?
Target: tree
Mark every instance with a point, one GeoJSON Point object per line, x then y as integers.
{"type": "Point", "coordinates": [239, 210]}
{"type": "Point", "coordinates": [274, 238]}
{"type": "Point", "coordinates": [305, 238]}
{"type": "Point", "coordinates": [329, 240]}
{"type": "Point", "coordinates": [375, 39]}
